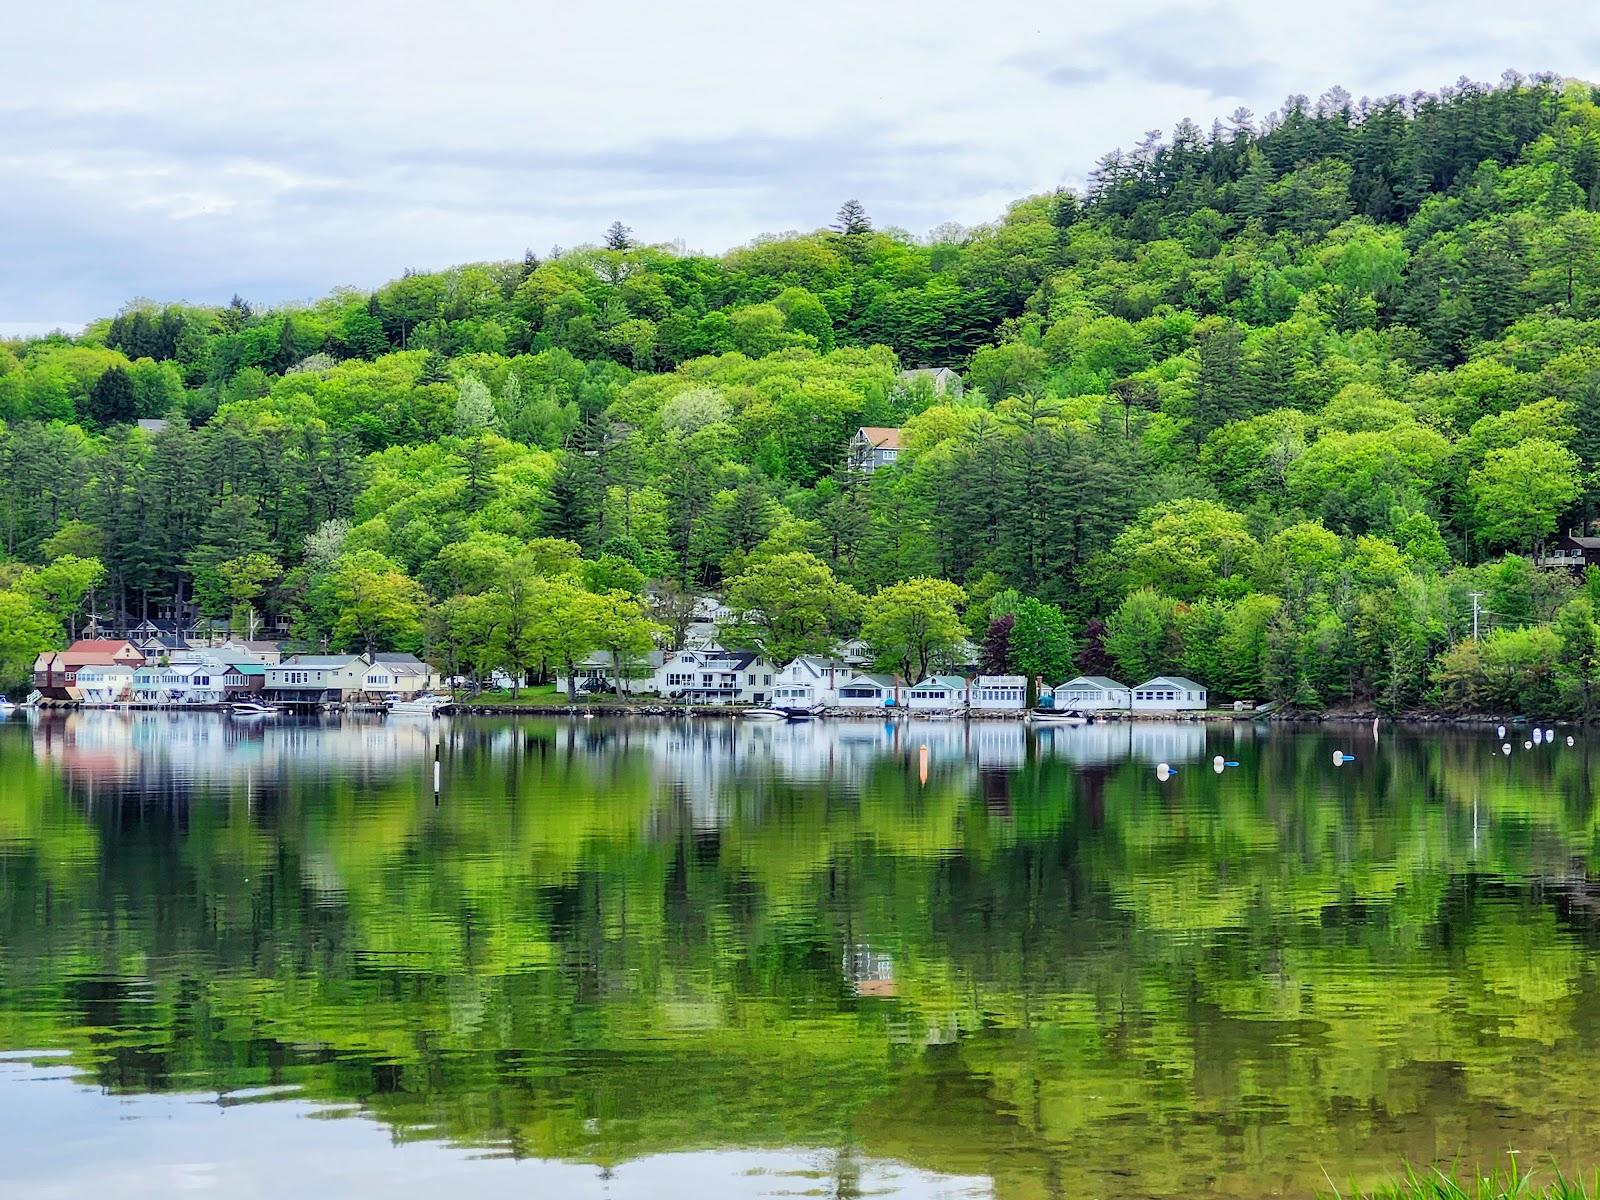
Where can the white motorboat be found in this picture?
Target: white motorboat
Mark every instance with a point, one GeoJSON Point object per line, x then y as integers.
{"type": "Point", "coordinates": [249, 708]}
{"type": "Point", "coordinates": [426, 705]}
{"type": "Point", "coordinates": [764, 714]}
{"type": "Point", "coordinates": [795, 713]}
{"type": "Point", "coordinates": [1058, 716]}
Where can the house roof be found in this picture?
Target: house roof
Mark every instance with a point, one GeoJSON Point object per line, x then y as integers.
{"type": "Point", "coordinates": [928, 372]}
{"type": "Point", "coordinates": [333, 661]}
{"type": "Point", "coordinates": [1588, 543]}
{"type": "Point", "coordinates": [247, 668]}
{"type": "Point", "coordinates": [1177, 681]}
{"type": "Point", "coordinates": [151, 424]}
{"type": "Point", "coordinates": [879, 681]}
{"type": "Point", "coordinates": [881, 437]}
{"type": "Point", "coordinates": [947, 682]}
{"type": "Point", "coordinates": [1103, 682]}
{"type": "Point", "coordinates": [1002, 681]}
{"type": "Point", "coordinates": [101, 645]}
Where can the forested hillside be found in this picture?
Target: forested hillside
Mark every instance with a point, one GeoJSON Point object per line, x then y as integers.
{"type": "Point", "coordinates": [1265, 405]}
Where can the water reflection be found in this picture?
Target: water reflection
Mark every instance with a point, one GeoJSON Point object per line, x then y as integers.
{"type": "Point", "coordinates": [776, 959]}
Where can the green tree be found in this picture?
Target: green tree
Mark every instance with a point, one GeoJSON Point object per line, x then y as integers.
{"type": "Point", "coordinates": [1142, 634]}
{"type": "Point", "coordinates": [1520, 491]}
{"type": "Point", "coordinates": [790, 604]}
{"type": "Point", "coordinates": [910, 625]}
{"type": "Point", "coordinates": [1041, 644]}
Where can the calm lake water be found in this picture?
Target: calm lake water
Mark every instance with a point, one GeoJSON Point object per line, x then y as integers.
{"type": "Point", "coordinates": [717, 960]}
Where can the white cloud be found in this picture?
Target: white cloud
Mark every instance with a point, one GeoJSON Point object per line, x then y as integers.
{"type": "Point", "coordinates": [176, 151]}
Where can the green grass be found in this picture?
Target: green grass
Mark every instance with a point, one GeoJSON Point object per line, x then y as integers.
{"type": "Point", "coordinates": [1500, 1183]}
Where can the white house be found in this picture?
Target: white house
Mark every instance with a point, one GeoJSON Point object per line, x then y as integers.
{"type": "Point", "coordinates": [245, 650]}
{"type": "Point", "coordinates": [105, 683]}
{"type": "Point", "coordinates": [179, 683]}
{"type": "Point", "coordinates": [641, 674]}
{"type": "Point", "coordinates": [717, 677]}
{"type": "Point", "coordinates": [317, 678]}
{"type": "Point", "coordinates": [998, 693]}
{"type": "Point", "coordinates": [810, 680]}
{"type": "Point", "coordinates": [938, 693]}
{"type": "Point", "coordinates": [869, 691]}
{"type": "Point", "coordinates": [1092, 693]}
{"type": "Point", "coordinates": [1168, 693]}
{"type": "Point", "coordinates": [404, 675]}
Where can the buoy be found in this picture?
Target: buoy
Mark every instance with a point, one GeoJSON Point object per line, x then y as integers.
{"type": "Point", "coordinates": [1506, 748]}
{"type": "Point", "coordinates": [1500, 731]}
{"type": "Point", "coordinates": [1569, 740]}
{"type": "Point", "coordinates": [1538, 735]}
{"type": "Point", "coordinates": [1230, 763]}
{"type": "Point", "coordinates": [1527, 745]}
{"type": "Point", "coordinates": [922, 763]}
{"type": "Point", "coordinates": [1218, 762]}
{"type": "Point", "coordinates": [1218, 767]}
{"type": "Point", "coordinates": [1340, 758]}
{"type": "Point", "coordinates": [1163, 772]}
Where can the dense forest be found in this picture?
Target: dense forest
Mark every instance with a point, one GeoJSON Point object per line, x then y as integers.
{"type": "Point", "coordinates": [1266, 404]}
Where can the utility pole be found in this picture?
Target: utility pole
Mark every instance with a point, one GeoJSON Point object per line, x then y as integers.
{"type": "Point", "coordinates": [1476, 596]}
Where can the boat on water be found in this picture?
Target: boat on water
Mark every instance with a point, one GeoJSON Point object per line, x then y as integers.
{"type": "Point", "coordinates": [1058, 716]}
{"type": "Point", "coordinates": [426, 705]}
{"type": "Point", "coordinates": [796, 713]}
{"type": "Point", "coordinates": [765, 714]}
{"type": "Point", "coordinates": [249, 708]}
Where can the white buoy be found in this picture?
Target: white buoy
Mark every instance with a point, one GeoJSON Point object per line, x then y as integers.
{"type": "Point", "coordinates": [1219, 766]}
{"type": "Point", "coordinates": [1505, 748]}
{"type": "Point", "coordinates": [1219, 762]}
{"type": "Point", "coordinates": [1538, 735]}
{"type": "Point", "coordinates": [1500, 731]}
{"type": "Point", "coordinates": [1163, 772]}
{"type": "Point", "coordinates": [1569, 740]}
{"type": "Point", "coordinates": [1527, 745]}
{"type": "Point", "coordinates": [1340, 758]}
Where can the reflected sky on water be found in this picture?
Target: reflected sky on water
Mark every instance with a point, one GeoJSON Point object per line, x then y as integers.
{"type": "Point", "coordinates": [712, 958]}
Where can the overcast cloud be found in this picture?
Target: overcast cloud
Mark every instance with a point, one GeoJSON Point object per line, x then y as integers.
{"type": "Point", "coordinates": [189, 151]}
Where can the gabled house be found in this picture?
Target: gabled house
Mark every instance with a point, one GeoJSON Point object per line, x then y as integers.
{"type": "Point", "coordinates": [938, 693]}
{"type": "Point", "coordinates": [873, 446]}
{"type": "Point", "coordinates": [179, 683]}
{"type": "Point", "coordinates": [998, 693]}
{"type": "Point", "coordinates": [1168, 693]}
{"type": "Point", "coordinates": [317, 678]}
{"type": "Point", "coordinates": [716, 677]}
{"type": "Point", "coordinates": [641, 674]}
{"type": "Point", "coordinates": [1573, 551]}
{"type": "Point", "coordinates": [810, 680]}
{"type": "Point", "coordinates": [942, 380]}
{"type": "Point", "coordinates": [869, 691]}
{"type": "Point", "coordinates": [266, 653]}
{"type": "Point", "coordinates": [105, 684]}
{"type": "Point", "coordinates": [243, 680]}
{"type": "Point", "coordinates": [404, 675]}
{"type": "Point", "coordinates": [55, 669]}
{"type": "Point", "coordinates": [1092, 693]}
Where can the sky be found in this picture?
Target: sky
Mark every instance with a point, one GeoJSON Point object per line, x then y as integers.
{"type": "Point", "coordinates": [177, 150]}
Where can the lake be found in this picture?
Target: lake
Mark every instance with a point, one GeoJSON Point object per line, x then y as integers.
{"type": "Point", "coordinates": [727, 960]}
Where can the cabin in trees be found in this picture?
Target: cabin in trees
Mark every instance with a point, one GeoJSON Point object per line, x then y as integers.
{"type": "Point", "coordinates": [874, 446]}
{"type": "Point", "coordinates": [1573, 551]}
{"type": "Point", "coordinates": [942, 380]}
{"type": "Point", "coordinates": [1092, 693]}
{"type": "Point", "coordinates": [1168, 693]}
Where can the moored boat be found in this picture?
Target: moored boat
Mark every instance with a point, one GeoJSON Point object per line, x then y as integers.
{"type": "Point", "coordinates": [250, 708]}
{"type": "Point", "coordinates": [426, 705]}
{"type": "Point", "coordinates": [1058, 716]}
{"type": "Point", "coordinates": [764, 714]}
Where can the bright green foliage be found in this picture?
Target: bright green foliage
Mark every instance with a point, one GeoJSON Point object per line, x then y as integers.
{"type": "Point", "coordinates": [1519, 491]}
{"type": "Point", "coordinates": [790, 604]}
{"type": "Point", "coordinates": [910, 626]}
{"type": "Point", "coordinates": [1041, 643]}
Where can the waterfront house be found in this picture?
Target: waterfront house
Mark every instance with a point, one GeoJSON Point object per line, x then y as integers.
{"type": "Point", "coordinates": [869, 691]}
{"type": "Point", "coordinates": [317, 678]}
{"type": "Point", "coordinates": [810, 680]}
{"type": "Point", "coordinates": [404, 675]}
{"type": "Point", "coordinates": [103, 684]}
{"type": "Point", "coordinates": [938, 693]}
{"type": "Point", "coordinates": [58, 669]}
{"type": "Point", "coordinates": [874, 446]}
{"type": "Point", "coordinates": [716, 677]}
{"type": "Point", "coordinates": [243, 680]}
{"type": "Point", "coordinates": [641, 674]}
{"type": "Point", "coordinates": [1168, 693]}
{"type": "Point", "coordinates": [998, 693]}
{"type": "Point", "coordinates": [1572, 551]}
{"type": "Point", "coordinates": [178, 683]}
{"type": "Point", "coordinates": [1093, 693]}
{"type": "Point", "coordinates": [942, 380]}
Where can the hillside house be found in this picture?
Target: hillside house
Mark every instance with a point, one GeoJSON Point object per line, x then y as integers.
{"type": "Point", "coordinates": [874, 446]}
{"type": "Point", "coordinates": [1168, 693]}
{"type": "Point", "coordinates": [1572, 551]}
{"type": "Point", "coordinates": [942, 380]}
